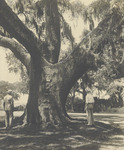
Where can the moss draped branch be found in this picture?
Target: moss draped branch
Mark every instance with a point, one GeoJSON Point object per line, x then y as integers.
{"type": "Point", "coordinates": [83, 57]}
{"type": "Point", "coordinates": [13, 25]}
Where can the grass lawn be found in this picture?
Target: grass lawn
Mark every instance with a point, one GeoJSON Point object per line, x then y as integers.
{"type": "Point", "coordinates": [77, 135]}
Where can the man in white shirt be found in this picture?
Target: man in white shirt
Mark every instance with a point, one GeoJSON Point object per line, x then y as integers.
{"type": "Point", "coordinates": [89, 104]}
{"type": "Point", "coordinates": [8, 105]}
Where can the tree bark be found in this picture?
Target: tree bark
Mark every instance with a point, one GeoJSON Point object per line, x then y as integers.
{"type": "Point", "coordinates": [52, 31]}
{"type": "Point", "coordinates": [50, 107]}
{"type": "Point", "coordinates": [13, 25]}
{"type": "Point", "coordinates": [33, 116]}
{"type": "Point", "coordinates": [18, 50]}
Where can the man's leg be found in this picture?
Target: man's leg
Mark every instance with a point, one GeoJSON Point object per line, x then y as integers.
{"type": "Point", "coordinates": [92, 118]}
{"type": "Point", "coordinates": [10, 119]}
{"type": "Point", "coordinates": [89, 117]}
{"type": "Point", "coordinates": [87, 112]}
{"type": "Point", "coordinates": [6, 119]}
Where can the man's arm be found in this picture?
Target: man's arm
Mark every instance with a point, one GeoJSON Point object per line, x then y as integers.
{"type": "Point", "coordinates": [12, 103]}
{"type": "Point", "coordinates": [4, 105]}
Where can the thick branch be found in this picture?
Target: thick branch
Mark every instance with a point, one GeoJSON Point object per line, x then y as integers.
{"type": "Point", "coordinates": [52, 31]}
{"type": "Point", "coordinates": [78, 63]}
{"type": "Point", "coordinates": [83, 58]}
{"type": "Point", "coordinates": [18, 30]}
{"type": "Point", "coordinates": [120, 70]}
{"type": "Point", "coordinates": [18, 50]}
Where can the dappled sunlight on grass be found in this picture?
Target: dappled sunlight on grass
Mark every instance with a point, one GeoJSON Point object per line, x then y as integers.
{"type": "Point", "coordinates": [78, 136]}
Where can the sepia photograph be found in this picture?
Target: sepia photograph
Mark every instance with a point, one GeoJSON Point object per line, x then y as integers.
{"type": "Point", "coordinates": [61, 74]}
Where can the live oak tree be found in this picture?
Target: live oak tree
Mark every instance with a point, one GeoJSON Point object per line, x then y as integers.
{"type": "Point", "coordinates": [50, 80]}
{"type": "Point", "coordinates": [109, 51]}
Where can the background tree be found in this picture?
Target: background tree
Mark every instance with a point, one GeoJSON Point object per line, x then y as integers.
{"type": "Point", "coordinates": [71, 97]}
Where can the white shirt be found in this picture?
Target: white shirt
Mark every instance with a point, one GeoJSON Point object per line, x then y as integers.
{"type": "Point", "coordinates": [89, 98]}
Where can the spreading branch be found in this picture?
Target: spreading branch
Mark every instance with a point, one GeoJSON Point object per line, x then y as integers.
{"type": "Point", "coordinates": [13, 25]}
{"type": "Point", "coordinates": [83, 58]}
{"type": "Point", "coordinates": [18, 50]}
{"type": "Point", "coordinates": [52, 31]}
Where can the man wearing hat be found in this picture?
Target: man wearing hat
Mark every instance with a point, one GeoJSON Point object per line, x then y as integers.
{"type": "Point", "coordinates": [89, 107]}
{"type": "Point", "coordinates": [8, 105]}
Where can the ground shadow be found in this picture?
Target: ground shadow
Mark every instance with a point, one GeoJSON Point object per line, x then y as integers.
{"type": "Point", "coordinates": [77, 135]}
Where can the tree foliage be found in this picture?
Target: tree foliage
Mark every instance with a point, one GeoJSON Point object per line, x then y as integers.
{"type": "Point", "coordinates": [5, 86]}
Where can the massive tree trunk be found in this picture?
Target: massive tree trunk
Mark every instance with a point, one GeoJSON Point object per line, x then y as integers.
{"type": "Point", "coordinates": [57, 80]}
{"type": "Point", "coordinates": [50, 82]}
